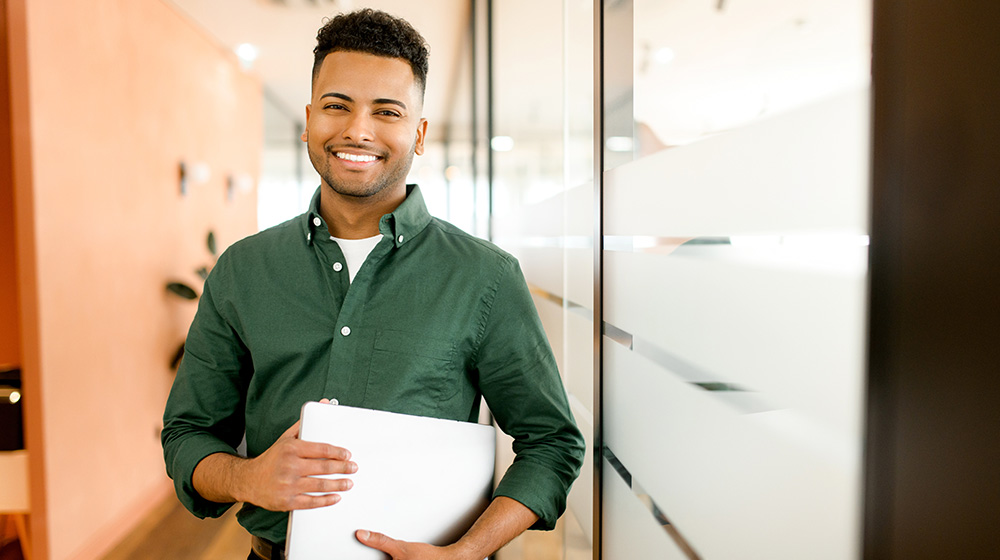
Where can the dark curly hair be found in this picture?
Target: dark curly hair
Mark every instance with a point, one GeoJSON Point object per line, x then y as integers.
{"type": "Point", "coordinates": [373, 32]}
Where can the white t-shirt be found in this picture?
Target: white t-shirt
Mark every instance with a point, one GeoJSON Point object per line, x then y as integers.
{"type": "Point", "coordinates": [356, 251]}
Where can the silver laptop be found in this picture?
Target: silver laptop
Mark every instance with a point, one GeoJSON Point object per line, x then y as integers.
{"type": "Point", "coordinates": [419, 479]}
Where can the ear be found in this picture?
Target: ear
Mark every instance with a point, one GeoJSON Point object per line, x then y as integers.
{"type": "Point", "coordinates": [418, 146]}
{"type": "Point", "coordinates": [305, 133]}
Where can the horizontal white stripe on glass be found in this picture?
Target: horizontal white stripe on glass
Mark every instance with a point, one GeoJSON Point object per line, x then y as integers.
{"type": "Point", "coordinates": [802, 171]}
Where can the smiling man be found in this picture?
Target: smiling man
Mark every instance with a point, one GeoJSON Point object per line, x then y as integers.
{"type": "Point", "coordinates": [368, 300]}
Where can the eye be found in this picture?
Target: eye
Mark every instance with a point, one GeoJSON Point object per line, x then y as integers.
{"type": "Point", "coordinates": [335, 107]}
{"type": "Point", "coordinates": [387, 113]}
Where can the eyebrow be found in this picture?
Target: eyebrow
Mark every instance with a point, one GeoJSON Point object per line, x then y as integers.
{"type": "Point", "coordinates": [379, 101]}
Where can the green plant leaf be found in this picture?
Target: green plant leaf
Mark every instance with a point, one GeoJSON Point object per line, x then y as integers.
{"type": "Point", "coordinates": [182, 290]}
{"type": "Point", "coordinates": [202, 273]}
{"type": "Point", "coordinates": [211, 244]}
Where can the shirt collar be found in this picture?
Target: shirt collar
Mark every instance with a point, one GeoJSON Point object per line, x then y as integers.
{"type": "Point", "coordinates": [402, 224]}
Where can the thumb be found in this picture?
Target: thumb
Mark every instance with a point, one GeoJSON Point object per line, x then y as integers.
{"type": "Point", "coordinates": [378, 541]}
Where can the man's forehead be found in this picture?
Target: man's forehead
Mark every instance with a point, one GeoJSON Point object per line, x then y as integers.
{"type": "Point", "coordinates": [348, 60]}
{"type": "Point", "coordinates": [379, 76]}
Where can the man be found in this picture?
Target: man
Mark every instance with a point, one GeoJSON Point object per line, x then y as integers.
{"type": "Point", "coordinates": [369, 300]}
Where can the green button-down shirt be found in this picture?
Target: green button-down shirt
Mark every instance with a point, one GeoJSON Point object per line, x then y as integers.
{"type": "Point", "coordinates": [434, 319]}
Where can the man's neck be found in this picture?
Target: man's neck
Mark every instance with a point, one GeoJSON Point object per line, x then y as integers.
{"type": "Point", "coordinates": [351, 217]}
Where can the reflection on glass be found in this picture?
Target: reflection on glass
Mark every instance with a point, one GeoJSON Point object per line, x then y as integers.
{"type": "Point", "coordinates": [734, 272]}
{"type": "Point", "coordinates": [543, 197]}
{"type": "Point", "coordinates": [701, 68]}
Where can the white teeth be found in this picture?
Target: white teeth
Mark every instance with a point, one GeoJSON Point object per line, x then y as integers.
{"type": "Point", "coordinates": [356, 157]}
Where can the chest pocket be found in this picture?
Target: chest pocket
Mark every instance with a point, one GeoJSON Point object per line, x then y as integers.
{"type": "Point", "coordinates": [412, 373]}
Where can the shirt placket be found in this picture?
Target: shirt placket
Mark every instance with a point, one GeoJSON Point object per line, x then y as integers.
{"type": "Point", "coordinates": [352, 339]}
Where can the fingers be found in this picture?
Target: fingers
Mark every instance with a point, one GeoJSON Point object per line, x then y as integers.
{"type": "Point", "coordinates": [316, 450]}
{"type": "Point", "coordinates": [326, 485]}
{"type": "Point", "coordinates": [308, 501]}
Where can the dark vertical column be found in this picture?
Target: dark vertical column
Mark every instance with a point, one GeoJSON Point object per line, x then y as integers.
{"type": "Point", "coordinates": [932, 487]}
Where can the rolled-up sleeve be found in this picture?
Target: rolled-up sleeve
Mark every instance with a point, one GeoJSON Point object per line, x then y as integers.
{"type": "Point", "coordinates": [520, 381]}
{"type": "Point", "coordinates": [205, 410]}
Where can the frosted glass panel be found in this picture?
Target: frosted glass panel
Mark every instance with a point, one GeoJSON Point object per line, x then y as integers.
{"type": "Point", "coordinates": [630, 529]}
{"type": "Point", "coordinates": [707, 67]}
{"type": "Point", "coordinates": [735, 215]}
{"type": "Point", "coordinates": [543, 198]}
{"type": "Point", "coordinates": [802, 171]}
{"type": "Point", "coordinates": [790, 335]}
{"type": "Point", "coordinates": [767, 485]}
{"type": "Point", "coordinates": [579, 361]}
{"type": "Point", "coordinates": [581, 496]}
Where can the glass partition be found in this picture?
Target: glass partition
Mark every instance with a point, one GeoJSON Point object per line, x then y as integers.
{"type": "Point", "coordinates": [735, 247]}
{"type": "Point", "coordinates": [543, 207]}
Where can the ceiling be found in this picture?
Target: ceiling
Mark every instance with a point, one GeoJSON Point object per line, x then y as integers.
{"type": "Point", "coordinates": [284, 32]}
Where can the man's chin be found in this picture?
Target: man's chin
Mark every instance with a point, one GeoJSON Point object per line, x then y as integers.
{"type": "Point", "coordinates": [361, 191]}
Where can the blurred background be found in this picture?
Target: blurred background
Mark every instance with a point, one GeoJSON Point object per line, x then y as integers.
{"type": "Point", "coordinates": [760, 235]}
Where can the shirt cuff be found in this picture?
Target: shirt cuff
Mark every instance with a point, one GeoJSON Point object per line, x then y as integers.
{"type": "Point", "coordinates": [181, 469]}
{"type": "Point", "coordinates": [537, 488]}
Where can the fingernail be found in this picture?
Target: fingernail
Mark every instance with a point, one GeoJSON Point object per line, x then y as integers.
{"type": "Point", "coordinates": [354, 467]}
{"type": "Point", "coordinates": [363, 535]}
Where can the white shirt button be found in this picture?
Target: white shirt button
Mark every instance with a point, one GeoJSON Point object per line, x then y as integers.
{"type": "Point", "coordinates": [337, 267]}
{"type": "Point", "coordinates": [317, 222]}
{"type": "Point", "coordinates": [400, 239]}
{"type": "Point", "coordinates": [345, 331]}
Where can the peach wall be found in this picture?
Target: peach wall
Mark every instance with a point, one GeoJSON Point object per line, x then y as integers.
{"type": "Point", "coordinates": [10, 338]}
{"type": "Point", "coordinates": [120, 91]}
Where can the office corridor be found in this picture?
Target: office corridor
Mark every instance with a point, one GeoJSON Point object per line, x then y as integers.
{"type": "Point", "coordinates": [170, 532]}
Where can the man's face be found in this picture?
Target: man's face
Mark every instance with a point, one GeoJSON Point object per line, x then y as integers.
{"type": "Point", "coordinates": [363, 125]}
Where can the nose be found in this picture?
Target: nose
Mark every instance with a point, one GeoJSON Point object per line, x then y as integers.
{"type": "Point", "coordinates": [358, 127]}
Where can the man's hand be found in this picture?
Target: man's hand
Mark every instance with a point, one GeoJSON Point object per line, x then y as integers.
{"type": "Point", "coordinates": [279, 479]}
{"type": "Point", "coordinates": [402, 550]}
{"type": "Point", "coordinates": [503, 520]}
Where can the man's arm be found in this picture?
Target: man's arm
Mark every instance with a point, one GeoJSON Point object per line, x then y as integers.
{"type": "Point", "coordinates": [278, 479]}
{"type": "Point", "coordinates": [503, 520]}
{"type": "Point", "coordinates": [518, 377]}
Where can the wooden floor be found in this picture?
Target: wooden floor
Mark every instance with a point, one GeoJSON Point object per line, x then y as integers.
{"type": "Point", "coordinates": [171, 532]}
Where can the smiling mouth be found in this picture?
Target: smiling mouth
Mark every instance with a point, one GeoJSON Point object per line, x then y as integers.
{"type": "Point", "coordinates": [355, 157]}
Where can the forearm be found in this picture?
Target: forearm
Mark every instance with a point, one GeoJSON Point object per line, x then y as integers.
{"type": "Point", "coordinates": [217, 478]}
{"type": "Point", "coordinates": [286, 477]}
{"type": "Point", "coordinates": [502, 521]}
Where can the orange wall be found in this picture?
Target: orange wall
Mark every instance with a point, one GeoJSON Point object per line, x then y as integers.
{"type": "Point", "coordinates": [10, 338]}
{"type": "Point", "coordinates": [121, 91]}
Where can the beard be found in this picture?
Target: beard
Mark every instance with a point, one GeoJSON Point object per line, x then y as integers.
{"type": "Point", "coordinates": [393, 174]}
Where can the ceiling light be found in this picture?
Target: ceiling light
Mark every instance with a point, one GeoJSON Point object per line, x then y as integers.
{"type": "Point", "coordinates": [664, 55]}
{"type": "Point", "coordinates": [502, 143]}
{"type": "Point", "coordinates": [619, 144]}
{"type": "Point", "coordinates": [247, 54]}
